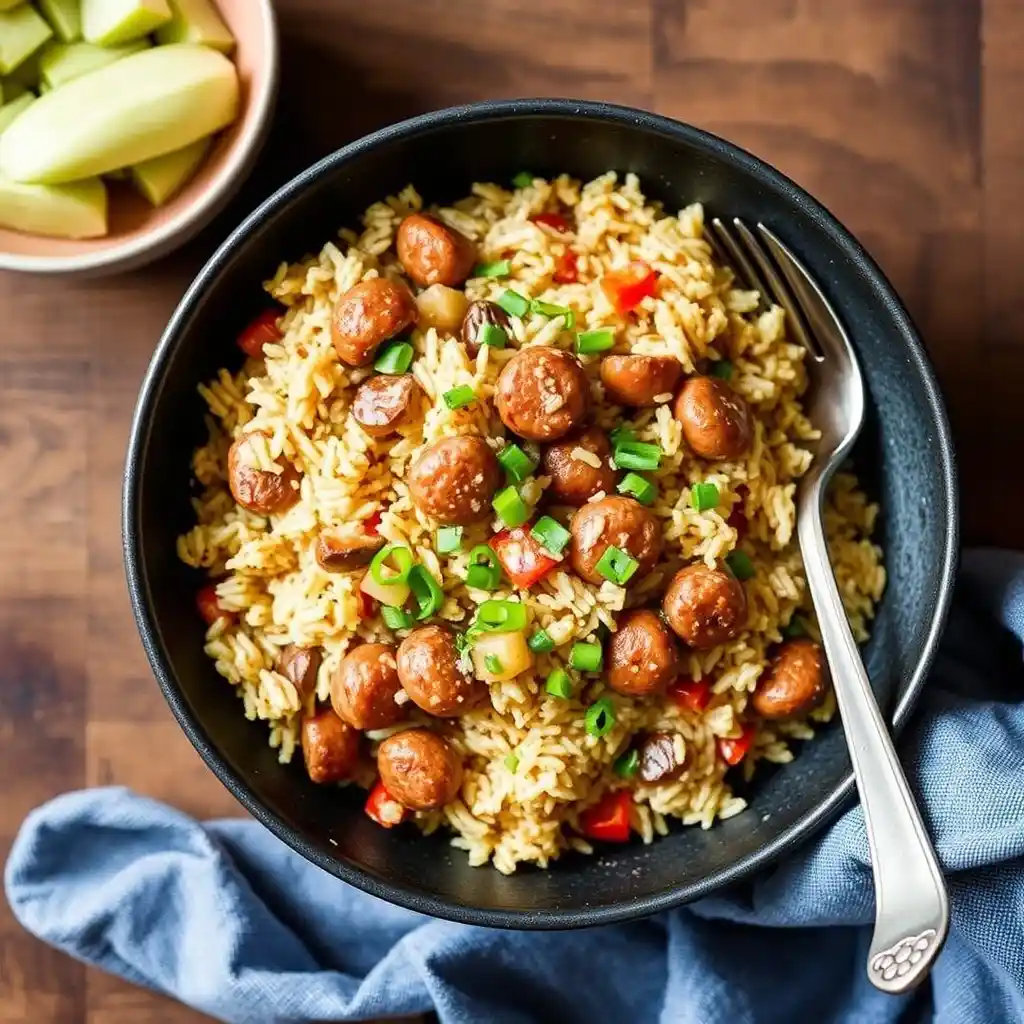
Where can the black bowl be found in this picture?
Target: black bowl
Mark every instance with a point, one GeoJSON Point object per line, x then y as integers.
{"type": "Point", "coordinates": [905, 459]}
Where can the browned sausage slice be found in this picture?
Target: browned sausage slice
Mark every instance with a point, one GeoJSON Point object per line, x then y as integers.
{"type": "Point", "coordinates": [260, 490]}
{"type": "Point", "coordinates": [364, 686]}
{"type": "Point", "coordinates": [794, 683]}
{"type": "Point", "coordinates": [300, 665]}
{"type": "Point", "coordinates": [478, 316]}
{"type": "Point", "coordinates": [368, 314]}
{"type": "Point", "coordinates": [642, 655]}
{"type": "Point", "coordinates": [430, 669]}
{"type": "Point", "coordinates": [385, 403]}
{"type": "Point", "coordinates": [705, 606]}
{"type": "Point", "coordinates": [339, 550]}
{"type": "Point", "coordinates": [433, 253]}
{"type": "Point", "coordinates": [329, 746]}
{"type": "Point", "coordinates": [638, 380]}
{"type": "Point", "coordinates": [716, 421]}
{"type": "Point", "coordinates": [574, 478]}
{"type": "Point", "coordinates": [454, 480]}
{"type": "Point", "coordinates": [613, 522]}
{"type": "Point", "coordinates": [419, 769]}
{"type": "Point", "coordinates": [542, 393]}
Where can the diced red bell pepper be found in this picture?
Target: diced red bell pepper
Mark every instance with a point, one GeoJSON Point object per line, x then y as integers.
{"type": "Point", "coordinates": [367, 605]}
{"type": "Point", "coordinates": [608, 819]}
{"type": "Point", "coordinates": [627, 288]}
{"type": "Point", "coordinates": [209, 605]}
{"type": "Point", "coordinates": [522, 558]}
{"type": "Point", "coordinates": [733, 750]}
{"type": "Point", "coordinates": [372, 525]}
{"type": "Point", "coordinates": [383, 808]}
{"type": "Point", "coordinates": [262, 330]}
{"type": "Point", "coordinates": [555, 221]}
{"type": "Point", "coordinates": [565, 268]}
{"type": "Point", "coordinates": [689, 694]}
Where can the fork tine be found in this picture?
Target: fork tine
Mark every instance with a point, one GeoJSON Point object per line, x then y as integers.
{"type": "Point", "coordinates": [831, 336]}
{"type": "Point", "coordinates": [737, 259]}
{"type": "Point", "coordinates": [794, 315]}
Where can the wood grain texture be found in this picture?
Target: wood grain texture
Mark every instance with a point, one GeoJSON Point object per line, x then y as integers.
{"type": "Point", "coordinates": [900, 115]}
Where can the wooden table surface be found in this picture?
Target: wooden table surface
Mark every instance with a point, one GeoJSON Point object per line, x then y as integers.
{"type": "Point", "coordinates": [886, 110]}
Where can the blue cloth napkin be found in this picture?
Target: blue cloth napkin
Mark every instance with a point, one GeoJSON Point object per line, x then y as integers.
{"type": "Point", "coordinates": [226, 918]}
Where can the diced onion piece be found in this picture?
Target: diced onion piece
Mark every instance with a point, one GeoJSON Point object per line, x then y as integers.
{"type": "Point", "coordinates": [511, 651]}
{"type": "Point", "coordinates": [394, 594]}
{"type": "Point", "coordinates": [441, 307]}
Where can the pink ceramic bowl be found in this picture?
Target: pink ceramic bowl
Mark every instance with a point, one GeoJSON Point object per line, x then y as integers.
{"type": "Point", "coordinates": [138, 232]}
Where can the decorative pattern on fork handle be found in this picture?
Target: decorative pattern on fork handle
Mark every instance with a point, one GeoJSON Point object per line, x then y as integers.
{"type": "Point", "coordinates": [902, 957]}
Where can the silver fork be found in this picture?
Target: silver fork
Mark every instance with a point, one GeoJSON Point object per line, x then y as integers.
{"type": "Point", "coordinates": [911, 906]}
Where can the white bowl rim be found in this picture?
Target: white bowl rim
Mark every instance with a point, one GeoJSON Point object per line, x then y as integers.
{"type": "Point", "coordinates": [152, 245]}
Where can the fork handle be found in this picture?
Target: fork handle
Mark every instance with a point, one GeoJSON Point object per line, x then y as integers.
{"type": "Point", "coordinates": [911, 906]}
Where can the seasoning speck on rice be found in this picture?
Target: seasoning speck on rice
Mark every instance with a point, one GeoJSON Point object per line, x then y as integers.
{"type": "Point", "coordinates": [523, 721]}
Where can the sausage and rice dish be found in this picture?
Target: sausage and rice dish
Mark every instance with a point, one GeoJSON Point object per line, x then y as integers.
{"type": "Point", "coordinates": [498, 518]}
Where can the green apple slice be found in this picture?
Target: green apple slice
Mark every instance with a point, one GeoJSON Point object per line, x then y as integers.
{"type": "Point", "coordinates": [65, 16]}
{"type": "Point", "coordinates": [160, 178]}
{"type": "Point", "coordinates": [110, 22]}
{"type": "Point", "coordinates": [22, 32]}
{"type": "Point", "coordinates": [143, 106]}
{"type": "Point", "coordinates": [61, 63]}
{"type": "Point", "coordinates": [196, 21]}
{"type": "Point", "coordinates": [13, 108]}
{"type": "Point", "coordinates": [75, 210]}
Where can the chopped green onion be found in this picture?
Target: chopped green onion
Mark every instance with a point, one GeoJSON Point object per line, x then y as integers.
{"type": "Point", "coordinates": [600, 718]}
{"type": "Point", "coordinates": [559, 684]}
{"type": "Point", "coordinates": [483, 577]}
{"type": "Point", "coordinates": [493, 336]}
{"type": "Point", "coordinates": [511, 761]}
{"type": "Point", "coordinates": [795, 628]}
{"type": "Point", "coordinates": [394, 358]}
{"type": "Point", "coordinates": [511, 509]}
{"type": "Point", "coordinates": [484, 571]}
{"type": "Point", "coordinates": [550, 534]}
{"type": "Point", "coordinates": [498, 268]}
{"type": "Point", "coordinates": [549, 309]}
{"type": "Point", "coordinates": [516, 462]}
{"type": "Point", "coordinates": [638, 487]}
{"type": "Point", "coordinates": [492, 663]}
{"type": "Point", "coordinates": [541, 642]}
{"type": "Point", "coordinates": [704, 496]}
{"type": "Point", "coordinates": [616, 565]}
{"type": "Point", "coordinates": [500, 617]}
{"type": "Point", "coordinates": [427, 591]}
{"type": "Point", "coordinates": [626, 766]}
{"type": "Point", "coordinates": [463, 642]}
{"type": "Point", "coordinates": [395, 618]}
{"type": "Point", "coordinates": [586, 657]}
{"type": "Point", "coordinates": [513, 303]}
{"type": "Point", "coordinates": [722, 369]}
{"type": "Point", "coordinates": [449, 539]}
{"type": "Point", "coordinates": [460, 396]}
{"type": "Point", "coordinates": [523, 179]}
{"type": "Point", "coordinates": [401, 557]}
{"type": "Point", "coordinates": [588, 342]}
{"type": "Point", "coordinates": [740, 564]}
{"type": "Point", "coordinates": [620, 435]}
{"type": "Point", "coordinates": [637, 455]}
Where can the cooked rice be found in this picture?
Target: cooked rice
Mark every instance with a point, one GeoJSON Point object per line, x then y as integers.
{"type": "Point", "coordinates": [300, 397]}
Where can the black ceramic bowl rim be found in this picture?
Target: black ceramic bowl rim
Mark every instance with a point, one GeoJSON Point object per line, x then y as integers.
{"type": "Point", "coordinates": [424, 902]}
